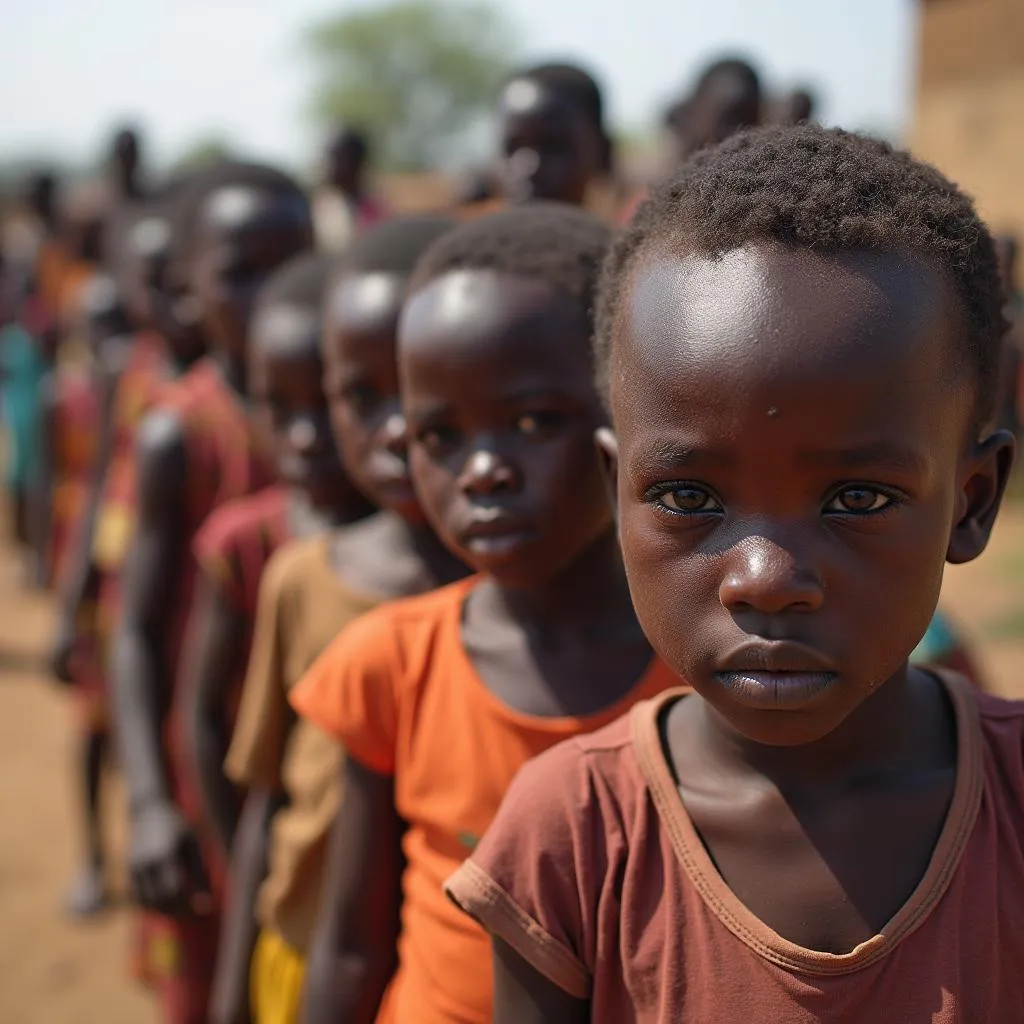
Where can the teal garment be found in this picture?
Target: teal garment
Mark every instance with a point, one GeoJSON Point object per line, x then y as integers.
{"type": "Point", "coordinates": [22, 370]}
{"type": "Point", "coordinates": [938, 640]}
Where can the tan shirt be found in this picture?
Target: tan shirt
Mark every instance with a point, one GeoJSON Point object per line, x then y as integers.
{"type": "Point", "coordinates": [302, 606]}
{"type": "Point", "coordinates": [595, 874]}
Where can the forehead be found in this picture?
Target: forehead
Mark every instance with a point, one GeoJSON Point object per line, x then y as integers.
{"type": "Point", "coordinates": [862, 335]}
{"type": "Point", "coordinates": [524, 102]}
{"type": "Point", "coordinates": [364, 302]}
{"type": "Point", "coordinates": [283, 331]}
{"type": "Point", "coordinates": [493, 326]}
{"type": "Point", "coordinates": [234, 210]}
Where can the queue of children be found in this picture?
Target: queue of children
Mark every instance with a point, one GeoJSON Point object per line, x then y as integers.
{"type": "Point", "coordinates": [506, 614]}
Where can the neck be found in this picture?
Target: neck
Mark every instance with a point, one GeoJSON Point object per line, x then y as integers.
{"type": "Point", "coordinates": [904, 720]}
{"type": "Point", "coordinates": [440, 562]}
{"type": "Point", "coordinates": [590, 594]}
{"type": "Point", "coordinates": [343, 506]}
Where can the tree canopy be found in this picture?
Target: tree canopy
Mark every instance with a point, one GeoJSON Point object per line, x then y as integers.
{"type": "Point", "coordinates": [415, 75]}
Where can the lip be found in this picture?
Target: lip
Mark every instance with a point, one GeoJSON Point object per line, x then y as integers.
{"type": "Point", "coordinates": [495, 533]}
{"type": "Point", "coordinates": [777, 675]}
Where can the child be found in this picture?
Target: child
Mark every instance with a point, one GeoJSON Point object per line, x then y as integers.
{"type": "Point", "coordinates": [128, 385]}
{"type": "Point", "coordinates": [439, 700]}
{"type": "Point", "coordinates": [76, 448]}
{"type": "Point", "coordinates": [311, 589]}
{"type": "Point", "coordinates": [195, 452]}
{"type": "Point", "coordinates": [233, 546]}
{"type": "Point", "coordinates": [799, 340]}
{"type": "Point", "coordinates": [553, 140]}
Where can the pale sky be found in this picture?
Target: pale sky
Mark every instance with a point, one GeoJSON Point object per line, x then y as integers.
{"type": "Point", "coordinates": [187, 69]}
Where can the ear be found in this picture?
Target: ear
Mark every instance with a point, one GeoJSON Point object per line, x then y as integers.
{"type": "Point", "coordinates": [608, 456]}
{"type": "Point", "coordinates": [980, 496]}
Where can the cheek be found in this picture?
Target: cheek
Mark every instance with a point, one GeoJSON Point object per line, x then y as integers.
{"type": "Point", "coordinates": [435, 486]}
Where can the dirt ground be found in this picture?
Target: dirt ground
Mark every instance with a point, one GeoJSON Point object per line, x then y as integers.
{"type": "Point", "coordinates": [53, 971]}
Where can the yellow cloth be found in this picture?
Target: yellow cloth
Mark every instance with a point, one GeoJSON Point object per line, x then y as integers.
{"type": "Point", "coordinates": [275, 981]}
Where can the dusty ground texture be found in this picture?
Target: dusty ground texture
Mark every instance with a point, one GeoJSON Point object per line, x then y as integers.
{"type": "Point", "coordinates": [53, 971]}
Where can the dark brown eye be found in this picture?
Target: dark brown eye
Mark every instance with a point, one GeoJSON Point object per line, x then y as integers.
{"type": "Point", "coordinates": [859, 501]}
{"type": "Point", "coordinates": [689, 500]}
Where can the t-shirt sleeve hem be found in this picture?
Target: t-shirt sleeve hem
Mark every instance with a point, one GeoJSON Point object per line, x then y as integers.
{"type": "Point", "coordinates": [478, 895]}
{"type": "Point", "coordinates": [304, 699]}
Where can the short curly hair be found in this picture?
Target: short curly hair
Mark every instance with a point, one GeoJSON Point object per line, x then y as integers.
{"type": "Point", "coordinates": [300, 281]}
{"type": "Point", "coordinates": [192, 193]}
{"type": "Point", "coordinates": [553, 242]}
{"type": "Point", "coordinates": [826, 189]}
{"type": "Point", "coordinates": [573, 82]}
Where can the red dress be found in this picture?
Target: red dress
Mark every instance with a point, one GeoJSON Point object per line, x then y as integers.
{"type": "Point", "coordinates": [74, 435]}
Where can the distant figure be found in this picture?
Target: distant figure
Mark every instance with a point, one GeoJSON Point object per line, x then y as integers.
{"type": "Point", "coordinates": [726, 99]}
{"type": "Point", "coordinates": [477, 186]}
{"type": "Point", "coordinates": [553, 139]}
{"type": "Point", "coordinates": [125, 165]}
{"type": "Point", "coordinates": [342, 206]}
{"type": "Point", "coordinates": [796, 107]}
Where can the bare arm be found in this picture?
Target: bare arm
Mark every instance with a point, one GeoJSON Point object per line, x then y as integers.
{"type": "Point", "coordinates": [217, 631]}
{"type": "Point", "coordinates": [522, 995]}
{"type": "Point", "coordinates": [230, 1000]}
{"type": "Point", "coordinates": [82, 574]}
{"type": "Point", "coordinates": [42, 494]}
{"type": "Point", "coordinates": [353, 953]}
{"type": "Point", "coordinates": [164, 857]}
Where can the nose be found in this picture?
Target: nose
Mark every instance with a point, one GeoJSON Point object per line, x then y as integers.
{"type": "Point", "coordinates": [395, 434]}
{"type": "Point", "coordinates": [487, 472]}
{"type": "Point", "coordinates": [306, 434]}
{"type": "Point", "coordinates": [765, 577]}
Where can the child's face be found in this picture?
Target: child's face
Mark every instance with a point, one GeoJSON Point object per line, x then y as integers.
{"type": "Point", "coordinates": [497, 391]}
{"type": "Point", "coordinates": [244, 234]}
{"type": "Point", "coordinates": [795, 465]}
{"type": "Point", "coordinates": [549, 149]}
{"type": "Point", "coordinates": [360, 320]}
{"type": "Point", "coordinates": [286, 379]}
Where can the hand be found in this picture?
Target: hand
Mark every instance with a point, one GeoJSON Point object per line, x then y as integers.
{"type": "Point", "coordinates": [62, 652]}
{"type": "Point", "coordinates": [166, 865]}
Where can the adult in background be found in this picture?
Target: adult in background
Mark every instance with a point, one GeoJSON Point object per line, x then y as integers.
{"type": "Point", "coordinates": [343, 205]}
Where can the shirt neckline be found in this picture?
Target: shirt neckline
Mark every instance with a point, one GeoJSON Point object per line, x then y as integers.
{"type": "Point", "coordinates": [644, 684]}
{"type": "Point", "coordinates": [749, 928]}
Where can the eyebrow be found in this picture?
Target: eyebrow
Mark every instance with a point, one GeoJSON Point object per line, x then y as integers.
{"type": "Point", "coordinates": [875, 453]}
{"type": "Point", "coordinates": [667, 456]}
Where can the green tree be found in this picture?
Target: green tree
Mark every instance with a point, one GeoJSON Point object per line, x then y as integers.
{"type": "Point", "coordinates": [416, 75]}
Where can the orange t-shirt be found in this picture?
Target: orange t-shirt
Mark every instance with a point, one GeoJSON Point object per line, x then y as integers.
{"type": "Point", "coordinates": [398, 690]}
{"type": "Point", "coordinates": [595, 874]}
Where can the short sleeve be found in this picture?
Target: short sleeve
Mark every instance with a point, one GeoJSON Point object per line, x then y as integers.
{"type": "Point", "coordinates": [351, 691]}
{"type": "Point", "coordinates": [537, 872]}
{"type": "Point", "coordinates": [216, 550]}
{"type": "Point", "coordinates": [264, 717]}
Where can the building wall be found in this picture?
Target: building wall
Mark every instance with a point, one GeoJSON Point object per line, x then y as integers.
{"type": "Point", "coordinates": [969, 109]}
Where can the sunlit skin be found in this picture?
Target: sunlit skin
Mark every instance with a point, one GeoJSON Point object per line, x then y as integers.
{"type": "Point", "coordinates": [360, 320]}
{"type": "Point", "coordinates": [797, 458]}
{"type": "Point", "coordinates": [501, 408]}
{"type": "Point", "coordinates": [549, 148]}
{"type": "Point", "coordinates": [245, 233]}
{"type": "Point", "coordinates": [286, 383]}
